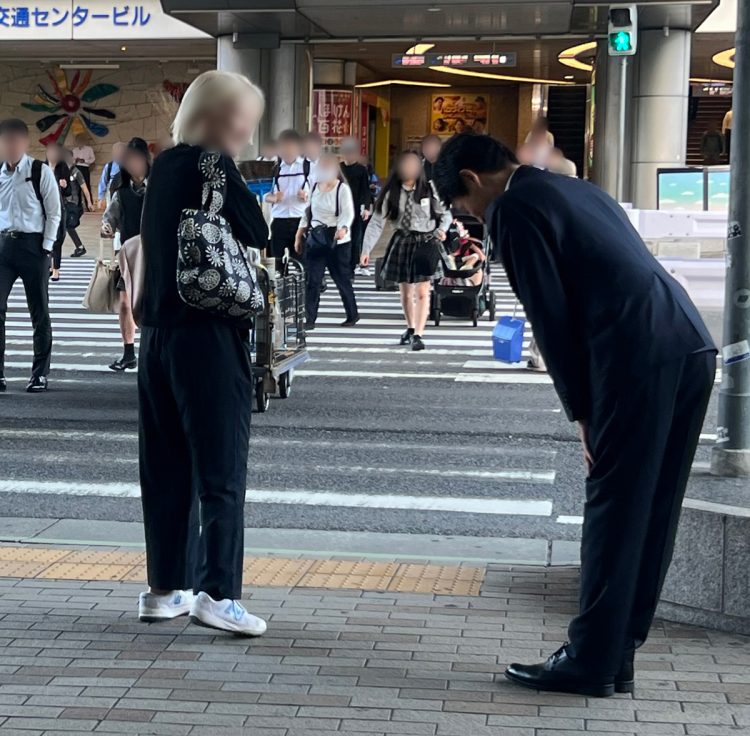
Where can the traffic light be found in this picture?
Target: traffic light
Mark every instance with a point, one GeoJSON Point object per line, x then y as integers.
{"type": "Point", "coordinates": [622, 30]}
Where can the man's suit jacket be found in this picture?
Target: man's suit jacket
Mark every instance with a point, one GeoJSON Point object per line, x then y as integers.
{"type": "Point", "coordinates": [602, 308]}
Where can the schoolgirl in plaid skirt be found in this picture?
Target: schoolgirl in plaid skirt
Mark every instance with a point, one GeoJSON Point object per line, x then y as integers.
{"type": "Point", "coordinates": [413, 256]}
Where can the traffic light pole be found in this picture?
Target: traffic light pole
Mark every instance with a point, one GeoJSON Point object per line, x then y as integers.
{"type": "Point", "coordinates": [621, 129]}
{"type": "Point", "coordinates": [731, 454]}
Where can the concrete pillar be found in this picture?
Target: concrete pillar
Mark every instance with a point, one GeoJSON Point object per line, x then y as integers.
{"type": "Point", "coordinates": [241, 61]}
{"type": "Point", "coordinates": [607, 94]}
{"type": "Point", "coordinates": [289, 88]}
{"type": "Point", "coordinates": [660, 95]}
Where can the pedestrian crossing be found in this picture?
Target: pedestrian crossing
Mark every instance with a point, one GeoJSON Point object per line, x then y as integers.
{"type": "Point", "coordinates": [458, 351]}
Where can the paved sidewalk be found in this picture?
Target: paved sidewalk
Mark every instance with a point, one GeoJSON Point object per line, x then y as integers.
{"type": "Point", "coordinates": [74, 659]}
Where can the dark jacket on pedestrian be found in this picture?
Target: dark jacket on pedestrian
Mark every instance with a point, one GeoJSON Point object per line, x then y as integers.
{"type": "Point", "coordinates": [358, 179]}
{"type": "Point", "coordinates": [603, 309]}
{"type": "Point", "coordinates": [175, 184]}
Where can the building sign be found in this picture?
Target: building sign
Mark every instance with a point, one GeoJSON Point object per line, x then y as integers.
{"type": "Point", "coordinates": [455, 61]}
{"type": "Point", "coordinates": [89, 20]}
{"type": "Point", "coordinates": [451, 114]}
{"type": "Point", "coordinates": [332, 115]}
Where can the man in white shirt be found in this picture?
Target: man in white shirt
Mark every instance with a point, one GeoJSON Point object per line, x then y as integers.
{"type": "Point", "coordinates": [84, 157]}
{"type": "Point", "coordinates": [289, 194]}
{"type": "Point", "coordinates": [30, 214]}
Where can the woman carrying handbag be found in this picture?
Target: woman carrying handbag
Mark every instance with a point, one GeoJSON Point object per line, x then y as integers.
{"type": "Point", "coordinates": [325, 232]}
{"type": "Point", "coordinates": [195, 384]}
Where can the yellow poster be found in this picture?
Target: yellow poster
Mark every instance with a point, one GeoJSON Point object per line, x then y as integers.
{"type": "Point", "coordinates": [452, 113]}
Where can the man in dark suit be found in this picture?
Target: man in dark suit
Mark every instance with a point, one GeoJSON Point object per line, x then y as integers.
{"type": "Point", "coordinates": [633, 364]}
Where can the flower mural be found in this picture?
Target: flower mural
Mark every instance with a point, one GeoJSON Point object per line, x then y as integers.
{"type": "Point", "coordinates": [68, 106]}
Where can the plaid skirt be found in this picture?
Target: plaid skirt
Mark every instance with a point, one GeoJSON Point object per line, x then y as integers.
{"type": "Point", "coordinates": [412, 257]}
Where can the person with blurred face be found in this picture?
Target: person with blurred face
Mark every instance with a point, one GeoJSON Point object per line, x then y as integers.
{"type": "Point", "coordinates": [108, 179]}
{"type": "Point", "coordinates": [269, 151]}
{"type": "Point", "coordinates": [84, 157]}
{"type": "Point", "coordinates": [289, 194]}
{"type": "Point", "coordinates": [412, 258]}
{"type": "Point", "coordinates": [431, 145]}
{"type": "Point", "coordinates": [357, 177]}
{"type": "Point", "coordinates": [75, 196]}
{"type": "Point", "coordinates": [312, 147]}
{"type": "Point", "coordinates": [55, 156]}
{"type": "Point", "coordinates": [327, 227]}
{"type": "Point", "coordinates": [30, 216]}
{"type": "Point", "coordinates": [195, 382]}
{"type": "Point", "coordinates": [123, 216]}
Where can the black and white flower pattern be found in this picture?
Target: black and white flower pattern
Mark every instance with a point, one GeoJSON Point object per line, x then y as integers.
{"type": "Point", "coordinates": [215, 273]}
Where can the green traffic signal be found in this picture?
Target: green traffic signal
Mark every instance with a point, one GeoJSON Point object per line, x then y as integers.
{"type": "Point", "coordinates": [620, 42]}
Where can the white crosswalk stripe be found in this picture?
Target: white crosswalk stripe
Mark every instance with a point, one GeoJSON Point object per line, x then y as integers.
{"type": "Point", "coordinates": [89, 342]}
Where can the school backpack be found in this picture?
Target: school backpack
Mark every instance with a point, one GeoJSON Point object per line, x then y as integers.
{"type": "Point", "coordinates": [306, 166]}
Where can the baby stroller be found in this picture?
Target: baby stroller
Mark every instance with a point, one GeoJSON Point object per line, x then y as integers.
{"type": "Point", "coordinates": [464, 290]}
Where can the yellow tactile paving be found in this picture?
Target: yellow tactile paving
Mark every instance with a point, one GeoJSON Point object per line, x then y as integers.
{"type": "Point", "coordinates": [51, 563]}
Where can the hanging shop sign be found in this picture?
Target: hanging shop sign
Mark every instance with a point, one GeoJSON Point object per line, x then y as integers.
{"type": "Point", "coordinates": [93, 20]}
{"type": "Point", "coordinates": [332, 115]}
{"type": "Point", "coordinates": [451, 114]}
{"type": "Point", "coordinates": [455, 61]}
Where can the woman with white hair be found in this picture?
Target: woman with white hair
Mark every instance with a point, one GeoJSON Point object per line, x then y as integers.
{"type": "Point", "coordinates": [195, 384]}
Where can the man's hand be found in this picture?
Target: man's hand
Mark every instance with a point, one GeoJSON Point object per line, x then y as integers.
{"type": "Point", "coordinates": [299, 239]}
{"type": "Point", "coordinates": [440, 234]}
{"type": "Point", "coordinates": [583, 433]}
{"type": "Point", "coordinates": [365, 215]}
{"type": "Point", "coordinates": [364, 261]}
{"type": "Point", "coordinates": [107, 231]}
{"type": "Point", "coordinates": [341, 233]}
{"type": "Point", "coordinates": [302, 195]}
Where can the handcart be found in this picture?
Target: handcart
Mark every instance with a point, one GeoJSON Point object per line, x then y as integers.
{"type": "Point", "coordinates": [279, 333]}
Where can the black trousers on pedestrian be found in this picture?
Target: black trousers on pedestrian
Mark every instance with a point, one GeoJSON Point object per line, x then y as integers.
{"type": "Point", "coordinates": [22, 257]}
{"type": "Point", "coordinates": [195, 393]}
{"type": "Point", "coordinates": [337, 258]}
{"type": "Point", "coordinates": [643, 439]}
{"type": "Point", "coordinates": [358, 234]}
{"type": "Point", "coordinates": [283, 232]}
{"type": "Point", "coordinates": [86, 171]}
{"type": "Point", "coordinates": [57, 250]}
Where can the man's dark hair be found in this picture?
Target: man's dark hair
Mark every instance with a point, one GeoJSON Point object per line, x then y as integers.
{"type": "Point", "coordinates": [314, 137]}
{"type": "Point", "coordinates": [290, 136]}
{"type": "Point", "coordinates": [13, 125]}
{"type": "Point", "coordinates": [481, 154]}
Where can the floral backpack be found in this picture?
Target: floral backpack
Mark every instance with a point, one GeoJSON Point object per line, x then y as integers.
{"type": "Point", "coordinates": [215, 272]}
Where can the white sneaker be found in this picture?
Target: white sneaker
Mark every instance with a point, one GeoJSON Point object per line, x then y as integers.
{"type": "Point", "coordinates": [227, 615]}
{"type": "Point", "coordinates": [152, 607]}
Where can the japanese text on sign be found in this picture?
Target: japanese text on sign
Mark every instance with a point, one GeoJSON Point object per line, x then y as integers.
{"type": "Point", "coordinates": [332, 115]}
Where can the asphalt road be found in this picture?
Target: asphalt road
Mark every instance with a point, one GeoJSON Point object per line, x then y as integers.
{"type": "Point", "coordinates": [374, 438]}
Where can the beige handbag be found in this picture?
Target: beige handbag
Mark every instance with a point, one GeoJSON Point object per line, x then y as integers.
{"type": "Point", "coordinates": [101, 295]}
{"type": "Point", "coordinates": [130, 259]}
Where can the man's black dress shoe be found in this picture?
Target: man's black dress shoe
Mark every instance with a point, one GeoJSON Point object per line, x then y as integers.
{"type": "Point", "coordinates": [559, 673]}
{"type": "Point", "coordinates": [625, 678]}
{"type": "Point", "coordinates": [36, 385]}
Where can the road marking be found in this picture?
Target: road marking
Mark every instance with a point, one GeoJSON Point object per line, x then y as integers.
{"type": "Point", "coordinates": [78, 434]}
{"type": "Point", "coordinates": [489, 506]}
{"type": "Point", "coordinates": [527, 377]}
{"type": "Point", "coordinates": [569, 520]}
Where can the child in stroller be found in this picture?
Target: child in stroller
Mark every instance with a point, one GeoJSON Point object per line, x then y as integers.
{"type": "Point", "coordinates": [464, 266]}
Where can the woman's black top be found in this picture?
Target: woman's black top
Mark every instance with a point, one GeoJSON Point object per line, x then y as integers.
{"type": "Point", "coordinates": [131, 200]}
{"type": "Point", "coordinates": [175, 184]}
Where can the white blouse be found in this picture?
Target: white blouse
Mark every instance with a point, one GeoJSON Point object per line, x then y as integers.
{"type": "Point", "coordinates": [322, 209]}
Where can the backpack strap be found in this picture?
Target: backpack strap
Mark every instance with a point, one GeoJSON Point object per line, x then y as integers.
{"type": "Point", "coordinates": [309, 208]}
{"type": "Point", "coordinates": [36, 182]}
{"type": "Point", "coordinates": [306, 165]}
{"type": "Point", "coordinates": [276, 173]}
{"type": "Point", "coordinates": [338, 199]}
